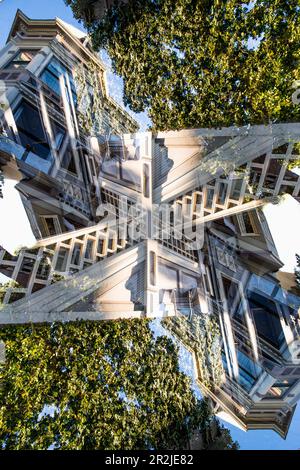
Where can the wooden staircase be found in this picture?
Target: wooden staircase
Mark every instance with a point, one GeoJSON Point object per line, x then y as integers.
{"type": "Point", "coordinates": [73, 298]}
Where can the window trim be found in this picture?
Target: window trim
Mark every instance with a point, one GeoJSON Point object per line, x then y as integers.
{"type": "Point", "coordinates": [55, 222]}
{"type": "Point", "coordinates": [12, 60]}
{"type": "Point", "coordinates": [242, 225]}
{"type": "Point", "coordinates": [66, 69]}
{"type": "Point", "coordinates": [17, 114]}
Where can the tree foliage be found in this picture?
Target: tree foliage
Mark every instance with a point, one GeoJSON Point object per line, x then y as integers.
{"type": "Point", "coordinates": [108, 385]}
{"type": "Point", "coordinates": [4, 287]}
{"type": "Point", "coordinates": [200, 63]}
{"type": "Point", "coordinates": [222, 440]}
{"type": "Point", "coordinates": [201, 333]}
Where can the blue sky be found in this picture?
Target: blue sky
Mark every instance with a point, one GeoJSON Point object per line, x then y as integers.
{"type": "Point", "coordinates": [268, 440]}
{"type": "Point", "coordinates": [34, 9]}
{"type": "Point", "coordinates": [51, 9]}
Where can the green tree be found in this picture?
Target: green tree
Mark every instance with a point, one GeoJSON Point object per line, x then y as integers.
{"type": "Point", "coordinates": [213, 437]}
{"type": "Point", "coordinates": [221, 439]}
{"type": "Point", "coordinates": [109, 385]}
{"type": "Point", "coordinates": [202, 63]}
{"type": "Point", "coordinates": [4, 287]}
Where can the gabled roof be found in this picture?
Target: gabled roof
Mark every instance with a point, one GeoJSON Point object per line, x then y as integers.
{"type": "Point", "coordinates": [73, 30]}
{"type": "Point", "coordinates": [50, 28]}
{"type": "Point", "coordinates": [20, 17]}
{"type": "Point", "coordinates": [73, 35]}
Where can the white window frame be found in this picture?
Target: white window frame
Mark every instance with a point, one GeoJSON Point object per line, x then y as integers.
{"type": "Point", "coordinates": [55, 221]}
{"type": "Point", "coordinates": [242, 226]}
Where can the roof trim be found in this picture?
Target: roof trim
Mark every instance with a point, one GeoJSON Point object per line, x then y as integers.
{"type": "Point", "coordinates": [69, 30]}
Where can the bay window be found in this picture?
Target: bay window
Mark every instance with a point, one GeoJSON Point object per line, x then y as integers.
{"type": "Point", "coordinates": [31, 130]}
{"type": "Point", "coordinates": [22, 59]}
{"type": "Point", "coordinates": [51, 225]}
{"type": "Point", "coordinates": [51, 75]}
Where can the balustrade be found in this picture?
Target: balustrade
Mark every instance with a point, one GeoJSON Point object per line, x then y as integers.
{"type": "Point", "coordinates": [53, 258]}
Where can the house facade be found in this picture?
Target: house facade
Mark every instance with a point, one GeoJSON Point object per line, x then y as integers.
{"type": "Point", "coordinates": [142, 225]}
{"type": "Point", "coordinates": [53, 90]}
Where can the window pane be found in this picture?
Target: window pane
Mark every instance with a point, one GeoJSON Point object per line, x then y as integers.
{"type": "Point", "coordinates": [89, 249]}
{"type": "Point", "coordinates": [31, 131]}
{"type": "Point", "coordinates": [248, 223]}
{"type": "Point", "coordinates": [22, 59]}
{"type": "Point", "coordinates": [266, 318]}
{"type": "Point", "coordinates": [222, 193]}
{"type": "Point", "coordinates": [76, 254]}
{"type": "Point", "coordinates": [51, 81]}
{"type": "Point", "coordinates": [279, 388]}
{"type": "Point", "coordinates": [44, 267]}
{"type": "Point", "coordinates": [51, 77]}
{"type": "Point", "coordinates": [50, 226]}
{"type": "Point", "coordinates": [209, 198]}
{"type": "Point", "coordinates": [232, 293]}
{"type": "Point", "coordinates": [68, 162]}
{"type": "Point", "coordinates": [152, 268]}
{"type": "Point", "coordinates": [236, 189]}
{"type": "Point", "coordinates": [58, 133]}
{"type": "Point", "coordinates": [248, 370]}
{"type": "Point", "coordinates": [62, 258]}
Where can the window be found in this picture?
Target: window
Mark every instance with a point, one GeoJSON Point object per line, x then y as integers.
{"type": "Point", "coordinates": [209, 197]}
{"type": "Point", "coordinates": [197, 203]}
{"type": "Point", "coordinates": [187, 206]}
{"type": "Point", "coordinates": [27, 265]}
{"type": "Point", "coordinates": [279, 388]}
{"type": "Point", "coordinates": [274, 168]}
{"type": "Point", "coordinates": [266, 318]}
{"type": "Point", "coordinates": [152, 256]}
{"type": "Point", "coordinates": [222, 193]}
{"type": "Point", "coordinates": [76, 254]}
{"type": "Point", "coordinates": [51, 225]}
{"type": "Point", "coordinates": [62, 258]}
{"type": "Point", "coordinates": [68, 162]}
{"type": "Point", "coordinates": [208, 283]}
{"type": "Point", "coordinates": [89, 249]}
{"type": "Point", "coordinates": [58, 134]}
{"type": "Point", "coordinates": [224, 361]}
{"type": "Point", "coordinates": [248, 371]}
{"type": "Point", "coordinates": [92, 165]}
{"type": "Point", "coordinates": [236, 187]}
{"type": "Point", "coordinates": [22, 59]}
{"type": "Point", "coordinates": [44, 267]}
{"type": "Point", "coordinates": [247, 224]}
{"type": "Point", "coordinates": [225, 258]}
{"type": "Point", "coordinates": [31, 130]}
{"type": "Point", "coordinates": [100, 246]}
{"type": "Point", "coordinates": [146, 180]}
{"type": "Point", "coordinates": [255, 174]}
{"type": "Point", "coordinates": [51, 75]}
{"type": "Point", "coordinates": [232, 294]}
